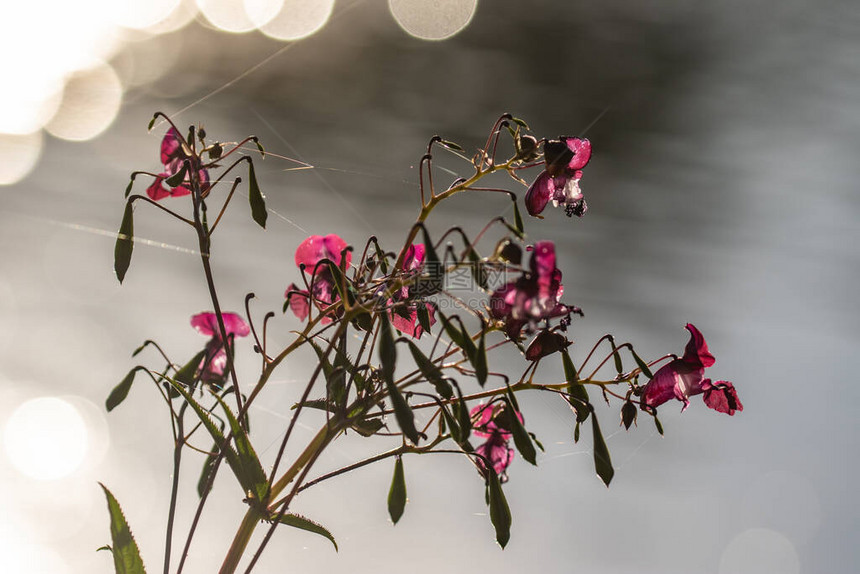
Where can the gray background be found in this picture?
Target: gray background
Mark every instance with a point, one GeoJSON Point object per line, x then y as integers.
{"type": "Point", "coordinates": [722, 191]}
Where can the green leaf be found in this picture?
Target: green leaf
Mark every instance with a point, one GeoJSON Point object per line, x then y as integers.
{"type": "Point", "coordinates": [602, 462]}
{"type": "Point", "coordinates": [126, 555]}
{"type": "Point", "coordinates": [253, 476]}
{"type": "Point", "coordinates": [124, 243]}
{"type": "Point", "coordinates": [423, 317]}
{"type": "Point", "coordinates": [576, 432]}
{"type": "Point", "coordinates": [120, 392]}
{"type": "Point", "coordinates": [388, 357]}
{"type": "Point", "coordinates": [177, 178]}
{"type": "Point", "coordinates": [578, 398]}
{"type": "Point", "coordinates": [403, 413]}
{"type": "Point", "coordinates": [256, 198]}
{"type": "Point", "coordinates": [380, 255]}
{"type": "Point", "coordinates": [451, 145]}
{"type": "Point", "coordinates": [397, 492]}
{"type": "Point", "coordinates": [616, 355]}
{"type": "Point", "coordinates": [129, 186]}
{"type": "Point", "coordinates": [643, 366]}
{"type": "Point", "coordinates": [521, 437]}
{"type": "Point", "coordinates": [519, 229]}
{"type": "Point", "coordinates": [461, 411]}
{"type": "Point", "coordinates": [203, 481]}
{"type": "Point", "coordinates": [479, 360]}
{"type": "Point", "coordinates": [477, 269]}
{"type": "Point", "coordinates": [431, 371]}
{"type": "Point", "coordinates": [387, 349]}
{"type": "Point", "coordinates": [230, 454]}
{"type": "Point", "coordinates": [298, 521]}
{"type": "Point", "coordinates": [521, 123]}
{"type": "Point", "coordinates": [185, 375]}
{"type": "Point", "coordinates": [367, 427]}
{"type": "Point", "coordinates": [500, 512]}
{"type": "Point", "coordinates": [431, 259]}
{"type": "Point", "coordinates": [628, 414]}
{"type": "Point", "coordinates": [142, 347]}
{"type": "Point", "coordinates": [453, 427]}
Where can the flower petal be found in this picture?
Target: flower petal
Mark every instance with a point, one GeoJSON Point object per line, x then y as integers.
{"type": "Point", "coordinates": [299, 304]}
{"type": "Point", "coordinates": [539, 193]}
{"type": "Point", "coordinates": [546, 343]}
{"type": "Point", "coordinates": [581, 149]}
{"type": "Point", "coordinates": [171, 148]}
{"type": "Point", "coordinates": [661, 387]}
{"type": "Point", "coordinates": [696, 352]}
{"type": "Point", "coordinates": [316, 247]}
{"type": "Point", "coordinates": [481, 416]}
{"type": "Point", "coordinates": [207, 324]}
{"type": "Point", "coordinates": [497, 451]}
{"type": "Point", "coordinates": [722, 397]}
{"type": "Point", "coordinates": [412, 326]}
{"type": "Point", "coordinates": [156, 190]}
{"type": "Point", "coordinates": [556, 155]}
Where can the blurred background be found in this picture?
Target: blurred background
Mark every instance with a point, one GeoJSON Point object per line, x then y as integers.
{"type": "Point", "coordinates": [722, 191]}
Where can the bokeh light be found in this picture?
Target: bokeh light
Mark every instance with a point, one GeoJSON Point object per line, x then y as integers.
{"type": "Point", "coordinates": [46, 438]}
{"type": "Point", "coordinates": [91, 101]}
{"type": "Point", "coordinates": [20, 154]}
{"type": "Point", "coordinates": [141, 15]}
{"type": "Point", "coordinates": [433, 20]}
{"type": "Point", "coordinates": [181, 16]}
{"type": "Point", "coordinates": [262, 11]}
{"type": "Point", "coordinates": [760, 551]}
{"type": "Point", "coordinates": [298, 19]}
{"type": "Point", "coordinates": [227, 15]}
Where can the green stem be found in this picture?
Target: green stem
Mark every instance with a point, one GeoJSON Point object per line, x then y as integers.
{"type": "Point", "coordinates": [252, 516]}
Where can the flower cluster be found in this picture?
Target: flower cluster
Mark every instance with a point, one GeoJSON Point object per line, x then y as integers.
{"type": "Point", "coordinates": [174, 157]}
{"type": "Point", "coordinates": [403, 306]}
{"type": "Point", "coordinates": [533, 297]}
{"type": "Point", "coordinates": [559, 182]}
{"type": "Point", "coordinates": [684, 377]}
{"type": "Point", "coordinates": [309, 254]}
{"type": "Point", "coordinates": [215, 362]}
{"type": "Point", "coordinates": [492, 422]}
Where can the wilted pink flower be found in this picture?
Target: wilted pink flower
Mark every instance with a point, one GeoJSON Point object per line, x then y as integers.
{"type": "Point", "coordinates": [405, 316]}
{"type": "Point", "coordinates": [534, 296]}
{"type": "Point", "coordinates": [309, 253]}
{"type": "Point", "coordinates": [173, 157]}
{"type": "Point", "coordinates": [559, 182]}
{"type": "Point", "coordinates": [684, 377]}
{"type": "Point", "coordinates": [491, 422]}
{"type": "Point", "coordinates": [215, 361]}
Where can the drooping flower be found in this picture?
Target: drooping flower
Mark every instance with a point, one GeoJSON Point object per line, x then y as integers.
{"type": "Point", "coordinates": [559, 182]}
{"type": "Point", "coordinates": [215, 361]}
{"type": "Point", "coordinates": [309, 253]}
{"type": "Point", "coordinates": [492, 422]}
{"type": "Point", "coordinates": [174, 158]}
{"type": "Point", "coordinates": [683, 378]}
{"type": "Point", "coordinates": [403, 306]}
{"type": "Point", "coordinates": [534, 296]}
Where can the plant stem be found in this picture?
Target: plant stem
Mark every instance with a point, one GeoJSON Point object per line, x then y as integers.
{"type": "Point", "coordinates": [252, 517]}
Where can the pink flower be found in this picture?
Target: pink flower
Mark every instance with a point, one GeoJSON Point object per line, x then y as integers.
{"type": "Point", "coordinates": [534, 296]}
{"type": "Point", "coordinates": [173, 157]}
{"type": "Point", "coordinates": [309, 253]}
{"type": "Point", "coordinates": [215, 362]}
{"type": "Point", "coordinates": [559, 182]}
{"type": "Point", "coordinates": [491, 422]}
{"type": "Point", "coordinates": [404, 315]}
{"type": "Point", "coordinates": [684, 377]}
